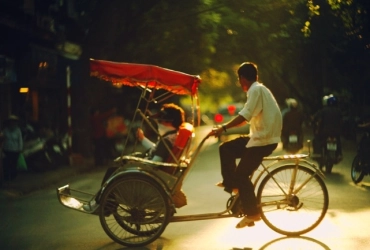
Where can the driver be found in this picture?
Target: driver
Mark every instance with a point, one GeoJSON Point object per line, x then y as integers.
{"type": "Point", "coordinates": [169, 119]}
{"type": "Point", "coordinates": [328, 122]}
{"type": "Point", "coordinates": [263, 113]}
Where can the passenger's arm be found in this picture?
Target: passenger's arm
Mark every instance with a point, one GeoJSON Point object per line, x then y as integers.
{"type": "Point", "coordinates": [157, 158]}
{"type": "Point", "coordinates": [148, 144]}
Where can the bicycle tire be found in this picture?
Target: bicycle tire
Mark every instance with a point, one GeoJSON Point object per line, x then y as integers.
{"type": "Point", "coordinates": [357, 171]}
{"type": "Point", "coordinates": [284, 214]}
{"type": "Point", "coordinates": [134, 211]}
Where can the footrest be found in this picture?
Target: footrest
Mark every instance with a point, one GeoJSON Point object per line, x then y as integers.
{"type": "Point", "coordinates": [75, 199]}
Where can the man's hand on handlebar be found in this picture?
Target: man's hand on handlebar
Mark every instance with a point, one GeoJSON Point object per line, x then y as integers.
{"type": "Point", "coordinates": [216, 131]}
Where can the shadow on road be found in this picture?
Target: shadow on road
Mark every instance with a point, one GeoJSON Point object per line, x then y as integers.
{"type": "Point", "coordinates": [335, 178]}
{"type": "Point", "coordinates": [304, 243]}
{"type": "Point", "coordinates": [293, 242]}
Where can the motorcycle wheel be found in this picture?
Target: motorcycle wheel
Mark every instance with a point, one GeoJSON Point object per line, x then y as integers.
{"type": "Point", "coordinates": [357, 171]}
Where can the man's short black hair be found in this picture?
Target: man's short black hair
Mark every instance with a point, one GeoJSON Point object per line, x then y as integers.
{"type": "Point", "coordinates": [248, 70]}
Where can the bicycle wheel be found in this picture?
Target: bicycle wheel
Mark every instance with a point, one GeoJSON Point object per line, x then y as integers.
{"type": "Point", "coordinates": [296, 213]}
{"type": "Point", "coordinates": [357, 171]}
{"type": "Point", "coordinates": [134, 211]}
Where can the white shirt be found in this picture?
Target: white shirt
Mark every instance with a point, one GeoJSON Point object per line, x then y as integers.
{"type": "Point", "coordinates": [263, 113]}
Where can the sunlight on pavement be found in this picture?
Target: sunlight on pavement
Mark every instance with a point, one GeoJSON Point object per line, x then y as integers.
{"type": "Point", "coordinates": [340, 232]}
{"type": "Point", "coordinates": [335, 232]}
{"type": "Point", "coordinates": [362, 185]}
{"type": "Point", "coordinates": [222, 234]}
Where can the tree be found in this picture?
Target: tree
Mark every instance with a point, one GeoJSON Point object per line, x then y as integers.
{"type": "Point", "coordinates": [304, 48]}
{"type": "Point", "coordinates": [171, 34]}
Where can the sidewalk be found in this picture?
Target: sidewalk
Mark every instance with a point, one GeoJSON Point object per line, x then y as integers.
{"type": "Point", "coordinates": [28, 182]}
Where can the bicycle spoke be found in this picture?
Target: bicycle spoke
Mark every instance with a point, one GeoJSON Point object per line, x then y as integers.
{"type": "Point", "coordinates": [140, 211]}
{"type": "Point", "coordinates": [297, 209]}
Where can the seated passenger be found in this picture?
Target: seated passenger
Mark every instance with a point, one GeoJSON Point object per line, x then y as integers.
{"type": "Point", "coordinates": [169, 119]}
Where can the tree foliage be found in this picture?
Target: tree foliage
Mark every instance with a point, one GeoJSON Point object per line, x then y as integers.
{"type": "Point", "coordinates": [304, 48]}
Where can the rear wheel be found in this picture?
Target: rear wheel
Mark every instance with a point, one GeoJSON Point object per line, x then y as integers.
{"type": "Point", "coordinates": [134, 211]}
{"type": "Point", "coordinates": [357, 170]}
{"type": "Point", "coordinates": [297, 212]}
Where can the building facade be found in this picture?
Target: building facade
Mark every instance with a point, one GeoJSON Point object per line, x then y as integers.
{"type": "Point", "coordinates": [40, 42]}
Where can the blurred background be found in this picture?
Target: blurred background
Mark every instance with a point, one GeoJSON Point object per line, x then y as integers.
{"type": "Point", "coordinates": [304, 50]}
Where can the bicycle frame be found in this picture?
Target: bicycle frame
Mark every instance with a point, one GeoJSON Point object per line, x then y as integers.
{"type": "Point", "coordinates": [297, 161]}
{"type": "Point", "coordinates": [266, 169]}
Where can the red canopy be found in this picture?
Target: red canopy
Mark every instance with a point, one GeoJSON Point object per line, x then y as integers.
{"type": "Point", "coordinates": [150, 76]}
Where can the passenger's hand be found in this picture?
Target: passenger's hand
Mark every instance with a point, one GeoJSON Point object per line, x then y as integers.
{"type": "Point", "coordinates": [140, 134]}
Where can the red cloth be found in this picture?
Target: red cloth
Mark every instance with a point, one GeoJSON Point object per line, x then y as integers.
{"type": "Point", "coordinates": [116, 126]}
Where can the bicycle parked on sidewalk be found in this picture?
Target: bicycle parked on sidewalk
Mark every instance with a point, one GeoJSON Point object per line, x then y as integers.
{"type": "Point", "coordinates": [137, 203]}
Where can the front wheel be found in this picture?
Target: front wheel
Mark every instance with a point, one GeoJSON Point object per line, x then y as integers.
{"type": "Point", "coordinates": [296, 212]}
{"type": "Point", "coordinates": [357, 170]}
{"type": "Point", "coordinates": [134, 211]}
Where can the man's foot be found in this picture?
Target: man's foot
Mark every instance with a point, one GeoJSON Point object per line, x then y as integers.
{"type": "Point", "coordinates": [248, 221]}
{"type": "Point", "coordinates": [221, 185]}
{"type": "Point", "coordinates": [89, 207]}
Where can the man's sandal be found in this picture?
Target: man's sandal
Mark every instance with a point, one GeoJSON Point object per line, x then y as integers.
{"type": "Point", "coordinates": [248, 221]}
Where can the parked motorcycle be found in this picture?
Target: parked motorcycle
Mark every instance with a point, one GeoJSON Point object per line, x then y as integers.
{"type": "Point", "coordinates": [44, 152]}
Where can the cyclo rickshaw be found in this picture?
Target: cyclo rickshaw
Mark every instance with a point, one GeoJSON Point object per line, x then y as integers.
{"type": "Point", "coordinates": [140, 199]}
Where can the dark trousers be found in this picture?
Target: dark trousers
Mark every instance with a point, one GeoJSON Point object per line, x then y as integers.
{"type": "Point", "coordinates": [237, 176]}
{"type": "Point", "coordinates": [10, 165]}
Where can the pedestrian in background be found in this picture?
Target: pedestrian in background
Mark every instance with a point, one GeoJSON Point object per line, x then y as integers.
{"type": "Point", "coordinates": [98, 121]}
{"type": "Point", "coordinates": [292, 133]}
{"type": "Point", "coordinates": [12, 147]}
{"type": "Point", "coordinates": [328, 122]}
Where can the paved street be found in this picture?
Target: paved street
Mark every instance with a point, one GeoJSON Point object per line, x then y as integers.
{"type": "Point", "coordinates": [38, 221]}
